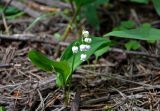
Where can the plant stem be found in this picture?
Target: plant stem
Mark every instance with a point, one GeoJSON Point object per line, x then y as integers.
{"type": "Point", "coordinates": [73, 62]}
{"type": "Point", "coordinates": [70, 24]}
{"type": "Point", "coordinates": [88, 64]}
{"type": "Point", "coordinates": [66, 97]}
{"type": "Point", "coordinates": [67, 90]}
{"type": "Point", "coordinates": [72, 6]}
{"type": "Point", "coordinates": [66, 32]}
{"type": "Point", "coordinates": [95, 64]}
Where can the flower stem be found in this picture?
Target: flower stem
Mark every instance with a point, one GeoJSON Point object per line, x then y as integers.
{"type": "Point", "coordinates": [67, 90]}
{"type": "Point", "coordinates": [73, 62]}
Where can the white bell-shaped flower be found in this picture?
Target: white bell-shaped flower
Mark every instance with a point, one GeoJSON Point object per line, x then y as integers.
{"type": "Point", "coordinates": [85, 33]}
{"type": "Point", "coordinates": [88, 40]}
{"type": "Point", "coordinates": [82, 47]}
{"type": "Point", "coordinates": [74, 49]}
{"type": "Point", "coordinates": [87, 47]}
{"type": "Point", "coordinates": [83, 57]}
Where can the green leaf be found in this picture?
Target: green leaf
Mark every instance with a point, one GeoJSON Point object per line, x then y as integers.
{"type": "Point", "coordinates": [99, 2]}
{"type": "Point", "coordinates": [97, 42]}
{"type": "Point", "coordinates": [125, 25]}
{"type": "Point", "coordinates": [10, 10]}
{"type": "Point", "coordinates": [86, 2]}
{"type": "Point", "coordinates": [151, 41]}
{"type": "Point", "coordinates": [101, 51]}
{"type": "Point", "coordinates": [41, 61]}
{"type": "Point", "coordinates": [89, 11]}
{"type": "Point", "coordinates": [140, 1]}
{"type": "Point", "coordinates": [145, 32]}
{"type": "Point", "coordinates": [2, 108]}
{"type": "Point", "coordinates": [91, 15]}
{"type": "Point", "coordinates": [60, 80]}
{"type": "Point", "coordinates": [156, 4]}
{"type": "Point", "coordinates": [132, 45]}
{"type": "Point", "coordinates": [13, 17]}
{"type": "Point", "coordinates": [83, 2]}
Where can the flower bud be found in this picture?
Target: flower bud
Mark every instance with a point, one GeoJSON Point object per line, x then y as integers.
{"type": "Point", "coordinates": [83, 57]}
{"type": "Point", "coordinates": [74, 49]}
{"type": "Point", "coordinates": [85, 33]}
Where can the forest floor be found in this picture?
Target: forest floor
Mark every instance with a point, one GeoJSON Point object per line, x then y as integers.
{"type": "Point", "coordinates": [119, 81]}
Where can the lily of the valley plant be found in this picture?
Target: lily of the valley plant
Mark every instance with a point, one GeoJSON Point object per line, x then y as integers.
{"type": "Point", "coordinates": [84, 46]}
{"type": "Point", "coordinates": [77, 52]}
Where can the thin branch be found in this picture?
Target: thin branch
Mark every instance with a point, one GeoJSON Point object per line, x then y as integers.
{"type": "Point", "coordinates": [30, 38]}
{"type": "Point", "coordinates": [55, 3]}
{"type": "Point", "coordinates": [24, 8]}
{"type": "Point", "coordinates": [133, 52]}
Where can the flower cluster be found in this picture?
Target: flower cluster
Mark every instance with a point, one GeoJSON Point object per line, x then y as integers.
{"type": "Point", "coordinates": [84, 46]}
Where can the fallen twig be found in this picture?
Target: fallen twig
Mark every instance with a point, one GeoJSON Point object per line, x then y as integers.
{"type": "Point", "coordinates": [30, 38]}
{"type": "Point", "coordinates": [133, 52]}
{"type": "Point", "coordinates": [55, 3]}
{"type": "Point", "coordinates": [24, 8]}
{"type": "Point", "coordinates": [94, 101]}
{"type": "Point", "coordinates": [15, 21]}
{"type": "Point", "coordinates": [42, 8]}
{"type": "Point", "coordinates": [76, 102]}
{"type": "Point", "coordinates": [5, 65]}
{"type": "Point", "coordinates": [35, 83]}
{"type": "Point", "coordinates": [9, 55]}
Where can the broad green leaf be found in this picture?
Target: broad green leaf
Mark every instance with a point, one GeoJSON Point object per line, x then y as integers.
{"type": "Point", "coordinates": [97, 42]}
{"type": "Point", "coordinates": [132, 45]}
{"type": "Point", "coordinates": [151, 41]}
{"type": "Point", "coordinates": [9, 11]}
{"type": "Point", "coordinates": [156, 4]}
{"type": "Point", "coordinates": [125, 25]}
{"type": "Point", "coordinates": [101, 51]}
{"type": "Point", "coordinates": [60, 80]}
{"type": "Point", "coordinates": [13, 17]}
{"type": "Point", "coordinates": [145, 32]}
{"type": "Point", "coordinates": [140, 1]}
{"type": "Point", "coordinates": [83, 2]}
{"type": "Point", "coordinates": [2, 108]}
{"type": "Point", "coordinates": [89, 11]}
{"type": "Point", "coordinates": [41, 61]}
{"type": "Point", "coordinates": [99, 2]}
{"type": "Point", "coordinates": [91, 15]}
